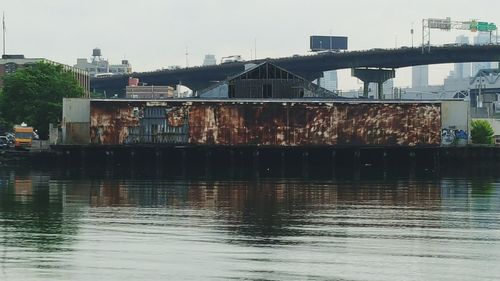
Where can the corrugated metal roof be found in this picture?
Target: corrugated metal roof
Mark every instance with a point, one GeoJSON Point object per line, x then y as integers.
{"type": "Point", "coordinates": [301, 100]}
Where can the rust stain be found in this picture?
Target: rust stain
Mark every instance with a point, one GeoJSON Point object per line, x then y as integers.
{"type": "Point", "coordinates": [279, 124]}
{"type": "Point", "coordinates": [314, 124]}
{"type": "Point", "coordinates": [176, 116]}
{"type": "Point", "coordinates": [110, 122]}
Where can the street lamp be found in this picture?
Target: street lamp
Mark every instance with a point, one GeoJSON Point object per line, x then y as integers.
{"type": "Point", "coordinates": [412, 32]}
{"type": "Point", "coordinates": [479, 94]}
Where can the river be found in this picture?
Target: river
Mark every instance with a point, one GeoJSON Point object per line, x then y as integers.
{"type": "Point", "coordinates": [57, 225]}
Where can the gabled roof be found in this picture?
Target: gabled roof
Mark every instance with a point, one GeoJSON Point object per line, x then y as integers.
{"type": "Point", "coordinates": [266, 64]}
{"type": "Point", "coordinates": [279, 72]}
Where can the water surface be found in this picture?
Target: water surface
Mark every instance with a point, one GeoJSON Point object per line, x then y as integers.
{"type": "Point", "coordinates": [56, 226]}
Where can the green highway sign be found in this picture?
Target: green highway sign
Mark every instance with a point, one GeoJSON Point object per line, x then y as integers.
{"type": "Point", "coordinates": [482, 26]}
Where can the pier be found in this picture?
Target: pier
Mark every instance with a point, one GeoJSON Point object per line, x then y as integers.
{"type": "Point", "coordinates": [273, 137]}
{"type": "Point", "coordinates": [308, 161]}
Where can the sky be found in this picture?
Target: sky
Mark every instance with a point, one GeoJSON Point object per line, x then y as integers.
{"type": "Point", "coordinates": [154, 34]}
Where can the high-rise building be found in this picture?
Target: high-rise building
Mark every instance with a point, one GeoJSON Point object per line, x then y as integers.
{"type": "Point", "coordinates": [209, 60]}
{"type": "Point", "coordinates": [329, 80]}
{"type": "Point", "coordinates": [462, 70]}
{"type": "Point", "coordinates": [420, 76]}
{"type": "Point", "coordinates": [482, 38]}
{"type": "Point", "coordinates": [387, 87]}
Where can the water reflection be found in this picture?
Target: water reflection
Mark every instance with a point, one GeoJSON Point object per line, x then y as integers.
{"type": "Point", "coordinates": [32, 213]}
{"type": "Point", "coordinates": [64, 226]}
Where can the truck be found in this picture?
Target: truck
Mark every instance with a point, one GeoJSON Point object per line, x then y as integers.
{"type": "Point", "coordinates": [229, 59]}
{"type": "Point", "coordinates": [23, 136]}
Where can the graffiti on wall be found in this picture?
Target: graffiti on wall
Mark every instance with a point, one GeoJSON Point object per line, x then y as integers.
{"type": "Point", "coordinates": [452, 136]}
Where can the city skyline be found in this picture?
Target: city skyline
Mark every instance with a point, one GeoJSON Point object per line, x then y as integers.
{"type": "Point", "coordinates": [156, 34]}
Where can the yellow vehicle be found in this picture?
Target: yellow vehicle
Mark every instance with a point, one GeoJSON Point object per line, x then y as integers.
{"type": "Point", "coordinates": [23, 136]}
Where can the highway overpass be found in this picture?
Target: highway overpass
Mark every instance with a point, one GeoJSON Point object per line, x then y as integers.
{"type": "Point", "coordinates": [309, 67]}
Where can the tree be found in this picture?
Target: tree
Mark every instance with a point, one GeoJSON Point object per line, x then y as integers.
{"type": "Point", "coordinates": [482, 132]}
{"type": "Point", "coordinates": [34, 95]}
{"type": "Point", "coordinates": [4, 125]}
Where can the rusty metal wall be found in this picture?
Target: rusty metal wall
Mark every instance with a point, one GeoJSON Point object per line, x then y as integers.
{"type": "Point", "coordinates": [110, 121]}
{"type": "Point", "coordinates": [295, 124]}
{"type": "Point", "coordinates": [136, 122]}
{"type": "Point", "coordinates": [265, 123]}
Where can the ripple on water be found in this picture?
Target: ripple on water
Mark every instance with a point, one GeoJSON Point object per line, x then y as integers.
{"type": "Point", "coordinates": [264, 230]}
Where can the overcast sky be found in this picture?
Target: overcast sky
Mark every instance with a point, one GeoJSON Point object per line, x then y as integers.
{"type": "Point", "coordinates": [153, 34]}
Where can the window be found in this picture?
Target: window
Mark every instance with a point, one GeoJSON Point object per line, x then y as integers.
{"type": "Point", "coordinates": [23, 135]}
{"type": "Point", "coordinates": [263, 72]}
{"type": "Point", "coordinates": [254, 74]}
{"type": "Point", "coordinates": [232, 91]}
{"type": "Point", "coordinates": [10, 67]}
{"type": "Point", "coordinates": [267, 91]}
{"type": "Point", "coordinates": [271, 72]}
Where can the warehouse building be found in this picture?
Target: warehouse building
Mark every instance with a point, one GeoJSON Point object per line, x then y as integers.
{"type": "Point", "coordinates": [266, 81]}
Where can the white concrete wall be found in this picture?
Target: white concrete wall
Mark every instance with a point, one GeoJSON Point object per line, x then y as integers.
{"type": "Point", "coordinates": [455, 116]}
{"type": "Point", "coordinates": [76, 110]}
{"type": "Point", "coordinates": [76, 121]}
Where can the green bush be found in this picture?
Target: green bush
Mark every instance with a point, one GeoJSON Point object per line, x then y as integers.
{"type": "Point", "coordinates": [482, 132]}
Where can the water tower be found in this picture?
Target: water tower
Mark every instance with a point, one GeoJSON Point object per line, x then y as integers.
{"type": "Point", "coordinates": [96, 55]}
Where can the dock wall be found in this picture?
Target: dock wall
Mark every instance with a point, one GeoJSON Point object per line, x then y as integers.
{"type": "Point", "coordinates": [277, 161]}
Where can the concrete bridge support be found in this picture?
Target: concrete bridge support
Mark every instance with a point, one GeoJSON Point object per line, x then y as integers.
{"type": "Point", "coordinates": [373, 75]}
